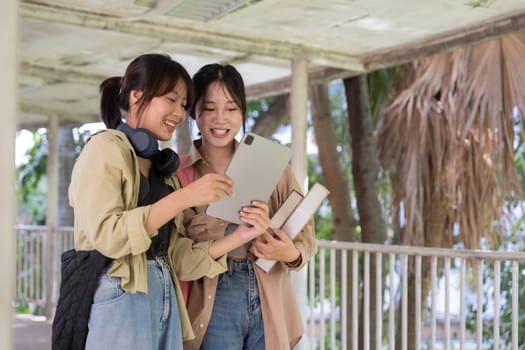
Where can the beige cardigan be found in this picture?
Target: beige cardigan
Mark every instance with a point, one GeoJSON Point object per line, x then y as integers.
{"type": "Point", "coordinates": [283, 324]}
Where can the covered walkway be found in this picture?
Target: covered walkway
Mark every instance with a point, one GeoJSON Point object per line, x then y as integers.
{"type": "Point", "coordinates": [31, 332]}
{"type": "Point", "coordinates": [67, 47]}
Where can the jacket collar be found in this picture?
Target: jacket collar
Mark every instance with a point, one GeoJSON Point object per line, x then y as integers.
{"type": "Point", "coordinates": [194, 156]}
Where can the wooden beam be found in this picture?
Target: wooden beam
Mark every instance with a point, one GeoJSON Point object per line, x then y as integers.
{"type": "Point", "coordinates": [60, 73]}
{"type": "Point", "coordinates": [284, 85]}
{"type": "Point", "coordinates": [466, 36]}
{"type": "Point", "coordinates": [44, 109]}
{"type": "Point", "coordinates": [72, 74]}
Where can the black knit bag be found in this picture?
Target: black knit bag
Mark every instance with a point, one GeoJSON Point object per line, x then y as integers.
{"type": "Point", "coordinates": [80, 273]}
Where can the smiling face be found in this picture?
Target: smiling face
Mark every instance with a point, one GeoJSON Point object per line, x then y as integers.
{"type": "Point", "coordinates": [218, 117]}
{"type": "Point", "coordinates": [162, 115]}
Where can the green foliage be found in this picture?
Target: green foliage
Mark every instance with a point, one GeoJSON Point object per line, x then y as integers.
{"type": "Point", "coordinates": [519, 159]}
{"type": "Point", "coordinates": [32, 177]}
{"type": "Point", "coordinates": [323, 217]}
{"type": "Point", "coordinates": [28, 309]}
{"type": "Point", "coordinates": [22, 309]}
{"type": "Point", "coordinates": [31, 181]}
{"type": "Point", "coordinates": [339, 113]}
{"type": "Point", "coordinates": [30, 173]}
{"type": "Point", "coordinates": [255, 108]}
{"type": "Point", "coordinates": [505, 308]}
{"type": "Point", "coordinates": [380, 87]}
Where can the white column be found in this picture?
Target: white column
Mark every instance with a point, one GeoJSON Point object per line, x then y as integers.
{"type": "Point", "coordinates": [52, 211]}
{"type": "Point", "coordinates": [8, 101]}
{"type": "Point", "coordinates": [298, 112]}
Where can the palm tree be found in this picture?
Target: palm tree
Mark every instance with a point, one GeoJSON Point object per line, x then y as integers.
{"type": "Point", "coordinates": [332, 170]}
{"type": "Point", "coordinates": [447, 140]}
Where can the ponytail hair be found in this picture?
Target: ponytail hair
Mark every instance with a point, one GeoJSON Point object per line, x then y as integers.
{"type": "Point", "coordinates": [110, 110]}
{"type": "Point", "coordinates": [152, 74]}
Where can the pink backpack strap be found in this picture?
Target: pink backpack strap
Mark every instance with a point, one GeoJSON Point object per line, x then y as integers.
{"type": "Point", "coordinates": [185, 175]}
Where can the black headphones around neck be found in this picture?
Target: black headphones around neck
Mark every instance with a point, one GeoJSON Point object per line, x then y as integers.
{"type": "Point", "coordinates": [143, 141]}
{"type": "Point", "coordinates": [166, 162]}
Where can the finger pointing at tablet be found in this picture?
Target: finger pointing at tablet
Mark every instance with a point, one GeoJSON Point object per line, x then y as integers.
{"type": "Point", "coordinates": [210, 188]}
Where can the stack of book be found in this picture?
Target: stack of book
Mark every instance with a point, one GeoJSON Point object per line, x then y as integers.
{"type": "Point", "coordinates": [293, 215]}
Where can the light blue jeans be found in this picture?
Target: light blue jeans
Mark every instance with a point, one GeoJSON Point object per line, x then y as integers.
{"type": "Point", "coordinates": [236, 320]}
{"type": "Point", "coordinates": [121, 320]}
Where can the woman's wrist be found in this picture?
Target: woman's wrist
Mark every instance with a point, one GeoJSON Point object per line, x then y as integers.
{"type": "Point", "coordinates": [296, 262]}
{"type": "Point", "coordinates": [225, 244]}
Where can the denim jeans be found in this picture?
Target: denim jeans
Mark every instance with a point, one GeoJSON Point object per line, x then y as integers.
{"type": "Point", "coordinates": [236, 321]}
{"type": "Point", "coordinates": [122, 320]}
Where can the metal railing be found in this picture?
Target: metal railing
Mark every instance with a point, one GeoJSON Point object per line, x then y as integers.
{"type": "Point", "coordinates": [468, 294]}
{"type": "Point", "coordinates": [31, 265]}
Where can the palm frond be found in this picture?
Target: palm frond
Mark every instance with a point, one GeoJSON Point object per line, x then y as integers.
{"type": "Point", "coordinates": [448, 138]}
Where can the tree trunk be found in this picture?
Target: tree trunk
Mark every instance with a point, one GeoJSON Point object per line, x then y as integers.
{"type": "Point", "coordinates": [276, 115]}
{"type": "Point", "coordinates": [336, 181]}
{"type": "Point", "coordinates": [365, 171]}
{"type": "Point", "coordinates": [365, 166]}
{"type": "Point", "coordinates": [434, 226]}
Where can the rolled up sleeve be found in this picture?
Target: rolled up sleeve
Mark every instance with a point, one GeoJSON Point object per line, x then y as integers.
{"type": "Point", "coordinates": [191, 260]}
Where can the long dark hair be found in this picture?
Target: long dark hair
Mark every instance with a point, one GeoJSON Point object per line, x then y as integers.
{"type": "Point", "coordinates": [153, 74]}
{"type": "Point", "coordinates": [229, 77]}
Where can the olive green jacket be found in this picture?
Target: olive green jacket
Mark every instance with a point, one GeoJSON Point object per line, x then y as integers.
{"type": "Point", "coordinates": [104, 194]}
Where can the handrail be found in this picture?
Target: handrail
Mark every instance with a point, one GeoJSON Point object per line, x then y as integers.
{"type": "Point", "coordinates": [336, 293]}
{"type": "Point", "coordinates": [424, 251]}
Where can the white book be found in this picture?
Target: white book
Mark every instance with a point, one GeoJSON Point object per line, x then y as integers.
{"type": "Point", "coordinates": [296, 213]}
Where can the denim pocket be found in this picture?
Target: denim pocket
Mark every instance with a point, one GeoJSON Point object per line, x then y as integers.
{"type": "Point", "coordinates": [108, 290]}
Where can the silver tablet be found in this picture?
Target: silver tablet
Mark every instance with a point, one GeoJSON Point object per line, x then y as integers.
{"type": "Point", "coordinates": [256, 167]}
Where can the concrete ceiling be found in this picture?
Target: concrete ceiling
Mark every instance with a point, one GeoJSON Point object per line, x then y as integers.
{"type": "Point", "coordinates": [67, 47]}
